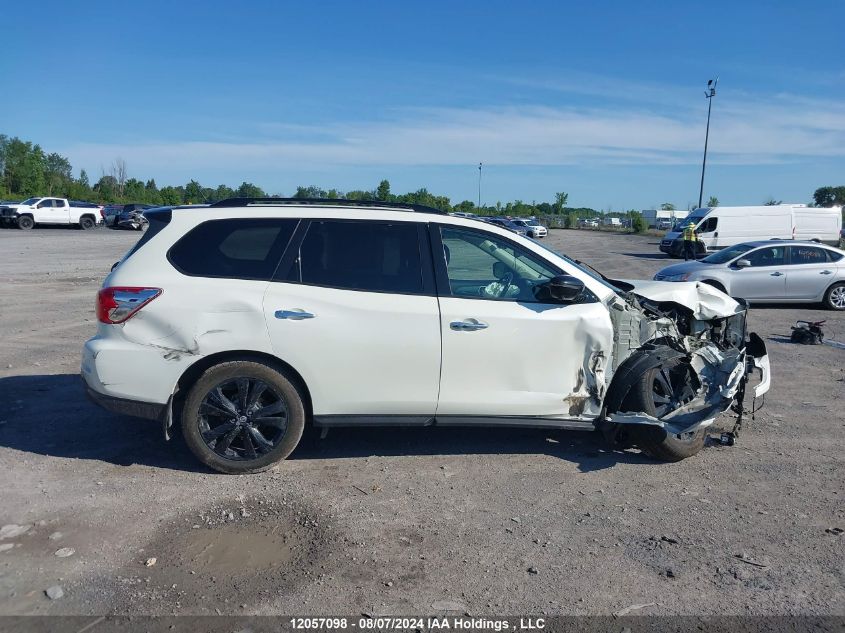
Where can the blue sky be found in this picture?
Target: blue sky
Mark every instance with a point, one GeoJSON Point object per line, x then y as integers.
{"type": "Point", "coordinates": [604, 100]}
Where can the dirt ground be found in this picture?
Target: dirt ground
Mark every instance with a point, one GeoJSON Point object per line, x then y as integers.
{"type": "Point", "coordinates": [404, 521]}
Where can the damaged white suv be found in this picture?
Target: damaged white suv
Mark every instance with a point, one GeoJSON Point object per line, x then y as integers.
{"type": "Point", "coordinates": [248, 320]}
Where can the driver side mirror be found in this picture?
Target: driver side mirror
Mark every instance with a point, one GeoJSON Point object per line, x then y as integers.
{"type": "Point", "coordinates": [742, 263]}
{"type": "Point", "coordinates": [560, 289]}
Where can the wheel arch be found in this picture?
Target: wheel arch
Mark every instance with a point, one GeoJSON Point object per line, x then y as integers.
{"type": "Point", "coordinates": [629, 372]}
{"type": "Point", "coordinates": [715, 283]}
{"type": "Point", "coordinates": [88, 215]}
{"type": "Point", "coordinates": [192, 374]}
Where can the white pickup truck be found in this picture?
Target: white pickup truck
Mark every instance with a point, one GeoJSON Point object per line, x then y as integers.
{"type": "Point", "coordinates": [32, 211]}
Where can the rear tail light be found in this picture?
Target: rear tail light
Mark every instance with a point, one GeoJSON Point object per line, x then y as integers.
{"type": "Point", "coordinates": [120, 303]}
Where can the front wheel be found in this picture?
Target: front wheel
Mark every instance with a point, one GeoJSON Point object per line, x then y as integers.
{"type": "Point", "coordinates": [834, 298]}
{"type": "Point", "coordinates": [25, 222]}
{"type": "Point", "coordinates": [242, 417]}
{"type": "Point", "coordinates": [660, 391]}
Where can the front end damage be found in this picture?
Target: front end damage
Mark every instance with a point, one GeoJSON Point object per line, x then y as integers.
{"type": "Point", "coordinates": [691, 340]}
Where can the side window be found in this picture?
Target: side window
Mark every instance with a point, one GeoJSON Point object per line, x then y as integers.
{"type": "Point", "coordinates": [833, 256]}
{"type": "Point", "coordinates": [768, 256]}
{"type": "Point", "coordinates": [368, 256]}
{"type": "Point", "coordinates": [709, 225]}
{"type": "Point", "coordinates": [237, 248]}
{"type": "Point", "coordinates": [807, 255]}
{"type": "Point", "coordinates": [45, 204]}
{"type": "Point", "coordinates": [482, 265]}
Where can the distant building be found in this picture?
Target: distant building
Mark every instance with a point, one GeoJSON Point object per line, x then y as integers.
{"type": "Point", "coordinates": [654, 217]}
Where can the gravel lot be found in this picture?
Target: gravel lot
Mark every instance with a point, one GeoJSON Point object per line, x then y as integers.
{"type": "Point", "coordinates": [404, 521]}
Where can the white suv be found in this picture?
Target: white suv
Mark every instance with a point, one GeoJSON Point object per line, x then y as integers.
{"type": "Point", "coordinates": [245, 321]}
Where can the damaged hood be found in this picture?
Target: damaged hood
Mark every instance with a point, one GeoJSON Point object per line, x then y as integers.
{"type": "Point", "coordinates": [705, 301]}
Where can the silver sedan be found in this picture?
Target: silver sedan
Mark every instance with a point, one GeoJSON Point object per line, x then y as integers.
{"type": "Point", "coordinates": [770, 272]}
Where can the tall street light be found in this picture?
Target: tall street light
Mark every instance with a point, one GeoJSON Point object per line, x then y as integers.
{"type": "Point", "coordinates": [479, 185]}
{"type": "Point", "coordinates": [709, 94]}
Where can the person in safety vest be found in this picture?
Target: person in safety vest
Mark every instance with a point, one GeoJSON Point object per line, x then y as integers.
{"type": "Point", "coordinates": [690, 241]}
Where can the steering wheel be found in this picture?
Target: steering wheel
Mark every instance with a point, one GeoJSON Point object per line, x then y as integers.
{"type": "Point", "coordinates": [506, 281]}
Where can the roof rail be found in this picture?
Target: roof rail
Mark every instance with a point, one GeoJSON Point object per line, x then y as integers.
{"type": "Point", "coordinates": [333, 202]}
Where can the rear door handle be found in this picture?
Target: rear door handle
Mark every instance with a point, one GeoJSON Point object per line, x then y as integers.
{"type": "Point", "coordinates": [826, 272]}
{"type": "Point", "coordinates": [294, 315]}
{"type": "Point", "coordinates": [777, 274]}
{"type": "Point", "coordinates": [468, 325]}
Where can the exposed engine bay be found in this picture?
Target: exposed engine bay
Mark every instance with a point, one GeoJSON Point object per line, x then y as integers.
{"type": "Point", "coordinates": [692, 339]}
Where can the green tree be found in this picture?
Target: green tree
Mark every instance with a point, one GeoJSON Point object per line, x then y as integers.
{"type": "Point", "coordinates": [57, 173]}
{"type": "Point", "coordinates": [829, 196]}
{"type": "Point", "coordinates": [771, 202]}
{"type": "Point", "coordinates": [248, 190]}
{"type": "Point", "coordinates": [170, 196]}
{"type": "Point", "coordinates": [667, 206]}
{"type": "Point", "coordinates": [311, 191]}
{"type": "Point", "coordinates": [638, 223]}
{"type": "Point", "coordinates": [712, 201]}
{"type": "Point", "coordinates": [383, 191]}
{"type": "Point", "coordinates": [193, 193]}
{"type": "Point", "coordinates": [83, 179]}
{"type": "Point", "coordinates": [561, 198]}
{"type": "Point", "coordinates": [23, 168]}
{"type": "Point", "coordinates": [106, 188]}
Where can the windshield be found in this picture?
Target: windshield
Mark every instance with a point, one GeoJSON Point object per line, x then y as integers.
{"type": "Point", "coordinates": [583, 269]}
{"type": "Point", "coordinates": [727, 254]}
{"type": "Point", "coordinates": [30, 201]}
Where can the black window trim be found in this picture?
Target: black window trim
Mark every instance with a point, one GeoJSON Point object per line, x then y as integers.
{"type": "Point", "coordinates": [243, 277]}
{"type": "Point", "coordinates": [291, 257]}
{"type": "Point", "coordinates": [444, 288]}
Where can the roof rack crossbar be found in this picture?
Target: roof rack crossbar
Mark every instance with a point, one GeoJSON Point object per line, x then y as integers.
{"type": "Point", "coordinates": [334, 202]}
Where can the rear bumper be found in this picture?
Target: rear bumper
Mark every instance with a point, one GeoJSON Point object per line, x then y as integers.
{"type": "Point", "coordinates": [136, 408]}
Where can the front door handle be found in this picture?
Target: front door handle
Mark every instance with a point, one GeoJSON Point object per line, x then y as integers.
{"type": "Point", "coordinates": [777, 274]}
{"type": "Point", "coordinates": [294, 315]}
{"type": "Point", "coordinates": [468, 325]}
{"type": "Point", "coordinates": [826, 272]}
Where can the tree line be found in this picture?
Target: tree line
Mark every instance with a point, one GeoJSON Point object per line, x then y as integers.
{"type": "Point", "coordinates": [28, 170]}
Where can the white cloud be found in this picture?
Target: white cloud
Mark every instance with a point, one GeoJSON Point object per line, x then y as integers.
{"type": "Point", "coordinates": [780, 128]}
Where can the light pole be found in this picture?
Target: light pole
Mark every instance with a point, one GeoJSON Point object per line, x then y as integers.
{"type": "Point", "coordinates": [479, 186]}
{"type": "Point", "coordinates": [709, 94]}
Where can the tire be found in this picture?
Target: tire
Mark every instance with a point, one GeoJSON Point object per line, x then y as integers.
{"type": "Point", "coordinates": [26, 222]}
{"type": "Point", "coordinates": [86, 223]}
{"type": "Point", "coordinates": [834, 298]}
{"type": "Point", "coordinates": [206, 426]}
{"type": "Point", "coordinates": [654, 440]}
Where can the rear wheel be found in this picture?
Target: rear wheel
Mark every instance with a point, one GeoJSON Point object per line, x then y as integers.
{"type": "Point", "coordinates": [86, 223]}
{"type": "Point", "coordinates": [25, 222]}
{"type": "Point", "coordinates": [660, 391]}
{"type": "Point", "coordinates": [834, 298]}
{"type": "Point", "coordinates": [243, 417]}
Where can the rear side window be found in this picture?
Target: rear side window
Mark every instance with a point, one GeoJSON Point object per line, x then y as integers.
{"type": "Point", "coordinates": [833, 256]}
{"type": "Point", "coordinates": [369, 256]}
{"type": "Point", "coordinates": [807, 255]}
{"type": "Point", "coordinates": [236, 248]}
{"type": "Point", "coordinates": [157, 221]}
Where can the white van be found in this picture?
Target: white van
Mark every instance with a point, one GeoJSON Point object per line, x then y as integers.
{"type": "Point", "coordinates": [718, 227]}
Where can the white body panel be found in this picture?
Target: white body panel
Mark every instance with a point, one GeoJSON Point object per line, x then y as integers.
{"type": "Point", "coordinates": [50, 210]}
{"type": "Point", "coordinates": [735, 225]}
{"type": "Point", "coordinates": [493, 372]}
{"type": "Point", "coordinates": [362, 352]}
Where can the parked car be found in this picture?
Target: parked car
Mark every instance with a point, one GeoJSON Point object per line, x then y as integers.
{"type": "Point", "coordinates": [111, 213]}
{"type": "Point", "coordinates": [47, 210]}
{"type": "Point", "coordinates": [532, 227]}
{"type": "Point", "coordinates": [508, 224]}
{"type": "Point", "coordinates": [589, 223]}
{"type": "Point", "coordinates": [664, 224]}
{"type": "Point", "coordinates": [242, 322]}
{"type": "Point", "coordinates": [770, 271]}
{"type": "Point", "coordinates": [132, 216]}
